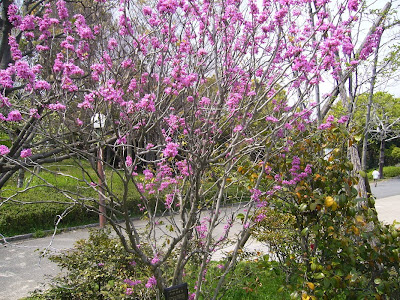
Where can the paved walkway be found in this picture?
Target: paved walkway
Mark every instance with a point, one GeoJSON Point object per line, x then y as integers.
{"type": "Point", "coordinates": [22, 270]}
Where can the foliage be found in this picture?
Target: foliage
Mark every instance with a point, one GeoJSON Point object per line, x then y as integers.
{"type": "Point", "coordinates": [98, 268]}
{"type": "Point", "coordinates": [17, 219]}
{"type": "Point", "coordinates": [394, 153]}
{"type": "Point", "coordinates": [388, 172]}
{"type": "Point", "coordinates": [333, 243]}
{"type": "Point", "coordinates": [253, 279]}
{"type": "Point", "coordinates": [50, 200]}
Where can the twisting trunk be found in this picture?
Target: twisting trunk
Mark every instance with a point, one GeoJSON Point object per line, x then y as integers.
{"type": "Point", "coordinates": [381, 158]}
{"type": "Point", "coordinates": [368, 116]}
{"type": "Point", "coordinates": [21, 177]}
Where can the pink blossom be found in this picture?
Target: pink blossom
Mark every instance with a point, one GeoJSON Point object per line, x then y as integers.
{"type": "Point", "coordinates": [271, 119]}
{"type": "Point", "coordinates": [126, 63]}
{"type": "Point", "coordinates": [147, 103]}
{"type": "Point", "coordinates": [112, 43]}
{"type": "Point", "coordinates": [71, 69]}
{"type": "Point", "coordinates": [147, 174]}
{"type": "Point", "coordinates": [128, 161]}
{"type": "Point", "coordinates": [26, 153]}
{"type": "Point", "coordinates": [4, 150]}
{"type": "Point", "coordinates": [24, 71]}
{"type": "Point", "coordinates": [41, 85]}
{"type": "Point", "coordinates": [4, 101]}
{"type": "Point", "coordinates": [201, 52]}
{"type": "Point", "coordinates": [238, 128]}
{"type": "Point", "coordinates": [169, 199]}
{"type": "Point", "coordinates": [125, 25]}
{"type": "Point", "coordinates": [57, 106]}
{"type": "Point", "coordinates": [184, 168]}
{"type": "Point", "coordinates": [330, 118]}
{"type": "Point", "coordinates": [128, 291]}
{"type": "Point", "coordinates": [33, 112]}
{"type": "Point", "coordinates": [68, 84]}
{"type": "Point", "coordinates": [82, 29]}
{"type": "Point", "coordinates": [132, 85]}
{"type": "Point", "coordinates": [155, 260]}
{"type": "Point", "coordinates": [171, 150]}
{"type": "Point", "coordinates": [79, 122]}
{"type": "Point", "coordinates": [151, 282]}
{"type": "Point", "coordinates": [353, 5]}
{"type": "Point", "coordinates": [42, 48]}
{"type": "Point", "coordinates": [343, 119]}
{"type": "Point", "coordinates": [14, 116]}
{"type": "Point", "coordinates": [97, 69]}
{"type": "Point", "coordinates": [131, 282]}
{"type": "Point", "coordinates": [13, 16]}
{"type": "Point", "coordinates": [255, 195]}
{"type": "Point", "coordinates": [62, 10]}
{"type": "Point", "coordinates": [58, 64]}
{"type": "Point", "coordinates": [28, 23]}
{"type": "Point", "coordinates": [147, 11]}
{"type": "Point", "coordinates": [6, 79]}
{"type": "Point", "coordinates": [204, 101]}
{"type": "Point", "coordinates": [260, 217]}
{"type": "Point", "coordinates": [167, 6]}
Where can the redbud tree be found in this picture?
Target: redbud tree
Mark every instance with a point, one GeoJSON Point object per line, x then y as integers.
{"type": "Point", "coordinates": [186, 93]}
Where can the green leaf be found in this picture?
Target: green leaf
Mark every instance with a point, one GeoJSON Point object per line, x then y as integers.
{"type": "Point", "coordinates": [319, 276]}
{"type": "Point", "coordinates": [240, 217]}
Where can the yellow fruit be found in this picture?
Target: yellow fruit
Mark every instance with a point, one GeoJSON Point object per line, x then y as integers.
{"type": "Point", "coordinates": [329, 201]}
{"type": "Point", "coordinates": [311, 285]}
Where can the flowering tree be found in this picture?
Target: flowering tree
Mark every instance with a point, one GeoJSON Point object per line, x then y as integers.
{"type": "Point", "coordinates": [195, 95]}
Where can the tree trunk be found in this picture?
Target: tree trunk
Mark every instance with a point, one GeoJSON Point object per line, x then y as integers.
{"type": "Point", "coordinates": [368, 116]}
{"type": "Point", "coordinates": [21, 177]}
{"type": "Point", "coordinates": [363, 186]}
{"type": "Point", "coordinates": [381, 158]}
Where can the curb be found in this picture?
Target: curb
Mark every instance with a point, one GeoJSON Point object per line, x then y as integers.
{"type": "Point", "coordinates": [5, 240]}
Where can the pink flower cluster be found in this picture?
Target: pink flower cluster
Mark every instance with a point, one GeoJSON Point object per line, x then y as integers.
{"type": "Point", "coordinates": [26, 153]}
{"type": "Point", "coordinates": [4, 150]}
{"type": "Point", "coordinates": [171, 150]}
{"type": "Point", "coordinates": [151, 282]}
{"type": "Point", "coordinates": [167, 6]}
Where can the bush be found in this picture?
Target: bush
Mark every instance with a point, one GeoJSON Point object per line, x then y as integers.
{"type": "Point", "coordinates": [327, 240]}
{"type": "Point", "coordinates": [23, 214]}
{"type": "Point", "coordinates": [388, 172]}
{"type": "Point", "coordinates": [98, 268]}
{"type": "Point", "coordinates": [29, 218]}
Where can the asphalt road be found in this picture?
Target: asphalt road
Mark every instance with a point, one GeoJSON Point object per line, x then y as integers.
{"type": "Point", "coordinates": [22, 269]}
{"type": "Point", "coordinates": [386, 188]}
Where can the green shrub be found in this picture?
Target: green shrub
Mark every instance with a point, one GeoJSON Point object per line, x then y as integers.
{"type": "Point", "coordinates": [98, 268]}
{"type": "Point", "coordinates": [388, 172]}
{"type": "Point", "coordinates": [328, 240]}
{"type": "Point", "coordinates": [255, 279]}
{"type": "Point", "coordinates": [29, 218]}
{"type": "Point", "coordinates": [24, 215]}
